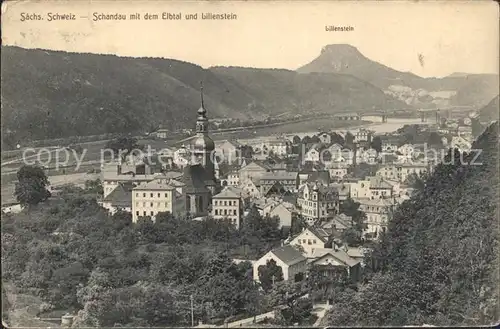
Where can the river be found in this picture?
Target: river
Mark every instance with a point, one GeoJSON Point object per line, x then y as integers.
{"type": "Point", "coordinates": [379, 128]}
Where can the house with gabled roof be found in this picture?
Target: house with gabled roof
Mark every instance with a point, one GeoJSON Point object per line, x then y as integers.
{"type": "Point", "coordinates": [291, 261]}
{"type": "Point", "coordinates": [380, 188]}
{"type": "Point", "coordinates": [119, 199]}
{"type": "Point", "coordinates": [312, 238]}
{"type": "Point", "coordinates": [330, 261]}
{"type": "Point", "coordinates": [338, 223]}
{"type": "Point", "coordinates": [254, 169]}
{"type": "Point", "coordinates": [283, 210]}
{"type": "Point", "coordinates": [251, 187]}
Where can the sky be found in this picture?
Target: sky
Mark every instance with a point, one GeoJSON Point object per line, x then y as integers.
{"type": "Point", "coordinates": [451, 36]}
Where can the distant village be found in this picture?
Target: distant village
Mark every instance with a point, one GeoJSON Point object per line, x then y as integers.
{"type": "Point", "coordinates": [289, 179]}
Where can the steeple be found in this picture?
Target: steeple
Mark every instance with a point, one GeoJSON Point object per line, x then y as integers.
{"type": "Point", "coordinates": [202, 121]}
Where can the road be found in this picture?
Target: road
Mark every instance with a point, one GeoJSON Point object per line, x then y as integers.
{"type": "Point", "coordinates": [318, 309]}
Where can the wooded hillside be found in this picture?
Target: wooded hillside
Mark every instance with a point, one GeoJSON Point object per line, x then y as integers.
{"type": "Point", "coordinates": [439, 262]}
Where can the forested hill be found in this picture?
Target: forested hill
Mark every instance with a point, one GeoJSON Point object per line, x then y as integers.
{"type": "Point", "coordinates": [439, 262]}
{"type": "Point", "coordinates": [54, 94]}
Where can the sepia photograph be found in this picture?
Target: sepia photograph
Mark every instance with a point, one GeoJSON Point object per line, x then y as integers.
{"type": "Point", "coordinates": [249, 164]}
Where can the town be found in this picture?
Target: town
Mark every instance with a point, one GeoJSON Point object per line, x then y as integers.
{"type": "Point", "coordinates": [329, 196]}
{"type": "Point", "coordinates": [240, 171]}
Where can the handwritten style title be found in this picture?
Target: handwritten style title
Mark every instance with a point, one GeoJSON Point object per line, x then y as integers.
{"type": "Point", "coordinates": [96, 16]}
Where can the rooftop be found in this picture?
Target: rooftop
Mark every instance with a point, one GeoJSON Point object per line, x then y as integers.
{"type": "Point", "coordinates": [156, 185]}
{"type": "Point", "coordinates": [229, 192]}
{"type": "Point", "coordinates": [120, 196]}
{"type": "Point", "coordinates": [288, 255]}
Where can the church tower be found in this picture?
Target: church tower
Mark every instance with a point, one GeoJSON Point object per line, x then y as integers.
{"type": "Point", "coordinates": [203, 146]}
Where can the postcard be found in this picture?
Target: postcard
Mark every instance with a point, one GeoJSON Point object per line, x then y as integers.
{"type": "Point", "coordinates": [249, 163]}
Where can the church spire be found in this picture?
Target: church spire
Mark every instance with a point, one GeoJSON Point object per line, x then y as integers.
{"type": "Point", "coordinates": [201, 94]}
{"type": "Point", "coordinates": [202, 121]}
{"type": "Point", "coordinates": [202, 111]}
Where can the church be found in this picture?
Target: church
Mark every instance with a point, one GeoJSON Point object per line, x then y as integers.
{"type": "Point", "coordinates": [199, 176]}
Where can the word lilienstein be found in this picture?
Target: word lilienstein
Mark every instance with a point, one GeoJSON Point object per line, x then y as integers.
{"type": "Point", "coordinates": [212, 16]}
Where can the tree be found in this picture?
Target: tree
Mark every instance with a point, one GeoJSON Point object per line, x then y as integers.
{"type": "Point", "coordinates": [31, 186]}
{"type": "Point", "coordinates": [376, 144]}
{"type": "Point", "coordinates": [247, 151]}
{"type": "Point", "coordinates": [94, 186]}
{"type": "Point", "coordinates": [288, 294]}
{"type": "Point", "coordinates": [337, 139]}
{"type": "Point", "coordinates": [434, 139]}
{"type": "Point", "coordinates": [269, 274]}
{"type": "Point", "coordinates": [349, 140]}
{"type": "Point", "coordinates": [351, 209]}
{"type": "Point", "coordinates": [298, 224]}
{"type": "Point", "coordinates": [296, 140]}
{"type": "Point", "coordinates": [362, 170]}
{"type": "Point", "coordinates": [123, 146]}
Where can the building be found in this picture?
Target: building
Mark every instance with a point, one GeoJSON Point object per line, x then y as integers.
{"type": "Point", "coordinates": [325, 138]}
{"type": "Point", "coordinates": [279, 147]}
{"type": "Point", "coordinates": [228, 151]}
{"type": "Point", "coordinates": [338, 223]}
{"type": "Point", "coordinates": [283, 210]}
{"type": "Point", "coordinates": [291, 261]}
{"type": "Point", "coordinates": [151, 198]}
{"type": "Point", "coordinates": [362, 135]}
{"type": "Point", "coordinates": [232, 179]}
{"type": "Point", "coordinates": [309, 176]}
{"type": "Point", "coordinates": [182, 157]}
{"type": "Point", "coordinates": [317, 202]}
{"type": "Point", "coordinates": [329, 261]}
{"type": "Point", "coordinates": [460, 143]}
{"type": "Point", "coordinates": [401, 171]}
{"type": "Point", "coordinates": [377, 215]}
{"type": "Point", "coordinates": [251, 188]}
{"type": "Point", "coordinates": [380, 188]}
{"type": "Point", "coordinates": [199, 175]}
{"type": "Point", "coordinates": [202, 146]}
{"type": "Point", "coordinates": [254, 169]}
{"type": "Point", "coordinates": [312, 238]}
{"type": "Point", "coordinates": [228, 204]}
{"type": "Point", "coordinates": [338, 170]}
{"type": "Point", "coordinates": [120, 199]}
{"type": "Point", "coordinates": [114, 174]}
{"type": "Point", "coordinates": [287, 179]}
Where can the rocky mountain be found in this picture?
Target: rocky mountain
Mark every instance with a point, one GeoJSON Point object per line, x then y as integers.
{"type": "Point", "coordinates": [460, 89]}
{"type": "Point", "coordinates": [52, 94]}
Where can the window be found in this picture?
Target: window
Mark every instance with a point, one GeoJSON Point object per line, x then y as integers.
{"type": "Point", "coordinates": [151, 204]}
{"type": "Point", "coordinates": [225, 202]}
{"type": "Point", "coordinates": [166, 195]}
{"type": "Point", "coordinates": [137, 213]}
{"type": "Point", "coordinates": [215, 203]}
{"type": "Point", "coordinates": [158, 194]}
{"type": "Point", "coordinates": [144, 212]}
{"type": "Point", "coordinates": [137, 194]}
{"type": "Point", "coordinates": [143, 195]}
{"type": "Point", "coordinates": [144, 204]}
{"type": "Point", "coordinates": [234, 212]}
{"type": "Point", "coordinates": [225, 211]}
{"type": "Point", "coordinates": [137, 204]}
{"type": "Point", "coordinates": [314, 241]}
{"type": "Point", "coordinates": [152, 213]}
{"type": "Point", "coordinates": [216, 211]}
{"type": "Point", "coordinates": [151, 194]}
{"type": "Point", "coordinates": [166, 204]}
